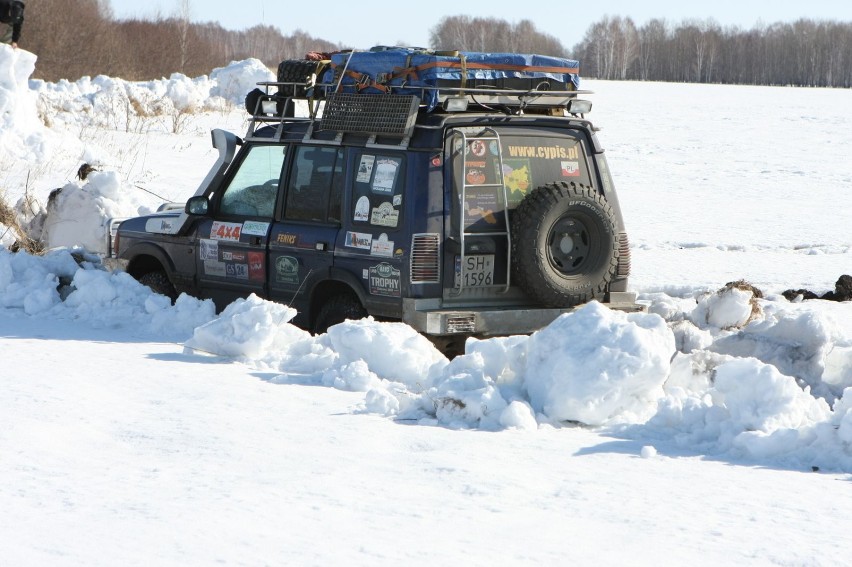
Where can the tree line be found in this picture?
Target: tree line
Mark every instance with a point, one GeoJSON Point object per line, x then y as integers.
{"type": "Point", "coordinates": [74, 38]}
{"type": "Point", "coordinates": [804, 53]}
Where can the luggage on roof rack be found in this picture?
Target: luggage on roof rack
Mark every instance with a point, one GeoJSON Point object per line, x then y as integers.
{"type": "Point", "coordinates": [435, 75]}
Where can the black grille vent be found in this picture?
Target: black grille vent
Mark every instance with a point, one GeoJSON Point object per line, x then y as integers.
{"type": "Point", "coordinates": [623, 255]}
{"type": "Point", "coordinates": [425, 258]}
{"type": "Point", "coordinates": [382, 115]}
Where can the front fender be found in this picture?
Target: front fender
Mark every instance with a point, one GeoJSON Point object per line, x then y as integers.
{"type": "Point", "coordinates": [141, 256]}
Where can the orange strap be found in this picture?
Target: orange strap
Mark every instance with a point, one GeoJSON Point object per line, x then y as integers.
{"type": "Point", "coordinates": [363, 81]}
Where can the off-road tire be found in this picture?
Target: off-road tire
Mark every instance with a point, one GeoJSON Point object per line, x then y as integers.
{"type": "Point", "coordinates": [296, 71]}
{"type": "Point", "coordinates": [159, 282]}
{"type": "Point", "coordinates": [336, 310]}
{"type": "Point", "coordinates": [564, 244]}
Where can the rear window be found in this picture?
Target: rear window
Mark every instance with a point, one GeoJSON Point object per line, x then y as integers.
{"type": "Point", "coordinates": [520, 163]}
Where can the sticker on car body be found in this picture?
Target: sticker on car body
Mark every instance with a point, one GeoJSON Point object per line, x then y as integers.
{"type": "Point", "coordinates": [255, 228]}
{"type": "Point", "coordinates": [209, 249]}
{"type": "Point", "coordinates": [385, 215]}
{"type": "Point", "coordinates": [225, 231]}
{"type": "Point", "coordinates": [287, 270]}
{"type": "Point", "coordinates": [359, 240]}
{"type": "Point", "coordinates": [381, 246]}
{"type": "Point", "coordinates": [384, 280]}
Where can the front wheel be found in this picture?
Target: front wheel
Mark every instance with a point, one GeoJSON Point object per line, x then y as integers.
{"type": "Point", "coordinates": [159, 282]}
{"type": "Point", "coordinates": [565, 244]}
{"type": "Point", "coordinates": [338, 309]}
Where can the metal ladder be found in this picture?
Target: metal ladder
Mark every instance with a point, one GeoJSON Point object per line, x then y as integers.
{"type": "Point", "coordinates": [499, 185]}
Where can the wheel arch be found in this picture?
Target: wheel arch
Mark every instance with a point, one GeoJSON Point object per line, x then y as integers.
{"type": "Point", "coordinates": [144, 258]}
{"type": "Point", "coordinates": [339, 282]}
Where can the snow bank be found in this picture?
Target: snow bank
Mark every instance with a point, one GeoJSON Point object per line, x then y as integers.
{"type": "Point", "coordinates": [237, 79]}
{"type": "Point", "coordinates": [22, 135]}
{"type": "Point", "coordinates": [61, 286]}
{"type": "Point", "coordinates": [78, 215]}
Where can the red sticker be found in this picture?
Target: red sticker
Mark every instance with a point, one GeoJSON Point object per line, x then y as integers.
{"type": "Point", "coordinates": [257, 271]}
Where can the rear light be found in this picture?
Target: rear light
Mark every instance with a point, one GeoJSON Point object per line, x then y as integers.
{"type": "Point", "coordinates": [623, 255]}
{"type": "Point", "coordinates": [425, 258]}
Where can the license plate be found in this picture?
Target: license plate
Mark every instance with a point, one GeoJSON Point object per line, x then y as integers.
{"type": "Point", "coordinates": [478, 270]}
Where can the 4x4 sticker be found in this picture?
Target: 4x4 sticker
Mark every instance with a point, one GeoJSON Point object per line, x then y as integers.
{"type": "Point", "coordinates": [287, 270]}
{"type": "Point", "coordinates": [384, 280]}
{"type": "Point", "coordinates": [365, 169]}
{"type": "Point", "coordinates": [255, 228]}
{"type": "Point", "coordinates": [225, 230]}
{"type": "Point", "coordinates": [358, 240]}
{"type": "Point", "coordinates": [362, 210]}
{"type": "Point", "coordinates": [385, 215]}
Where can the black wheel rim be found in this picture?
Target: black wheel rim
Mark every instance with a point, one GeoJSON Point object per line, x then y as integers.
{"type": "Point", "coordinates": [571, 243]}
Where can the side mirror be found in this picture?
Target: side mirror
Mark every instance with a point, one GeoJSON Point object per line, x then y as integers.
{"type": "Point", "coordinates": [197, 205]}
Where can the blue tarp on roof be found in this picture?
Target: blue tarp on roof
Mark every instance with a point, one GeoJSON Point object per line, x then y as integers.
{"type": "Point", "coordinates": [409, 70]}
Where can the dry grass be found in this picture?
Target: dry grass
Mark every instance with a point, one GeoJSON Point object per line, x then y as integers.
{"type": "Point", "coordinates": [9, 219]}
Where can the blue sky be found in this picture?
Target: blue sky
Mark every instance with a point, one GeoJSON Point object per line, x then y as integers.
{"type": "Point", "coordinates": [366, 23]}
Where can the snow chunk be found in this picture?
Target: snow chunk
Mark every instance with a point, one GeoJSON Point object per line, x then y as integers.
{"type": "Point", "coordinates": [518, 415]}
{"type": "Point", "coordinates": [31, 282]}
{"type": "Point", "coordinates": [729, 308]}
{"type": "Point", "coordinates": [597, 366]}
{"type": "Point", "coordinates": [79, 215]}
{"type": "Point", "coordinates": [797, 341]}
{"type": "Point", "coordinates": [759, 398]}
{"type": "Point", "coordinates": [393, 351]}
{"type": "Point", "coordinates": [648, 452]}
{"type": "Point", "coordinates": [248, 328]}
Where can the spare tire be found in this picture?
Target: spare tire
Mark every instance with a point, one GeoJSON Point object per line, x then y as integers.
{"type": "Point", "coordinates": [296, 71]}
{"type": "Point", "coordinates": [564, 244]}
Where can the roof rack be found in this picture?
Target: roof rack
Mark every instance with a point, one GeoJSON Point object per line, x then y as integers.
{"type": "Point", "coordinates": [392, 114]}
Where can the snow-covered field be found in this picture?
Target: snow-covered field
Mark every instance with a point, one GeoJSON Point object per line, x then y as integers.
{"type": "Point", "coordinates": [712, 430]}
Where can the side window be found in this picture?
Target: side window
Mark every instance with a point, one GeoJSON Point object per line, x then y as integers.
{"type": "Point", "coordinates": [378, 190]}
{"type": "Point", "coordinates": [313, 193]}
{"type": "Point", "coordinates": [254, 187]}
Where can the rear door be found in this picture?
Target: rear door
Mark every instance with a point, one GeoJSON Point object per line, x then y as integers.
{"type": "Point", "coordinates": [301, 243]}
{"type": "Point", "coordinates": [232, 258]}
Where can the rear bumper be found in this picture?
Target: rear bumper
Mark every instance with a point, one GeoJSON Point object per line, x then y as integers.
{"type": "Point", "coordinates": [429, 317]}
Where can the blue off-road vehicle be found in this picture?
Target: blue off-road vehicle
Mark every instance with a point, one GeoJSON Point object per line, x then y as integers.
{"type": "Point", "coordinates": [464, 194]}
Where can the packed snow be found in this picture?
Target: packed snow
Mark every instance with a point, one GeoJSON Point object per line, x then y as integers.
{"type": "Point", "coordinates": [135, 431]}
